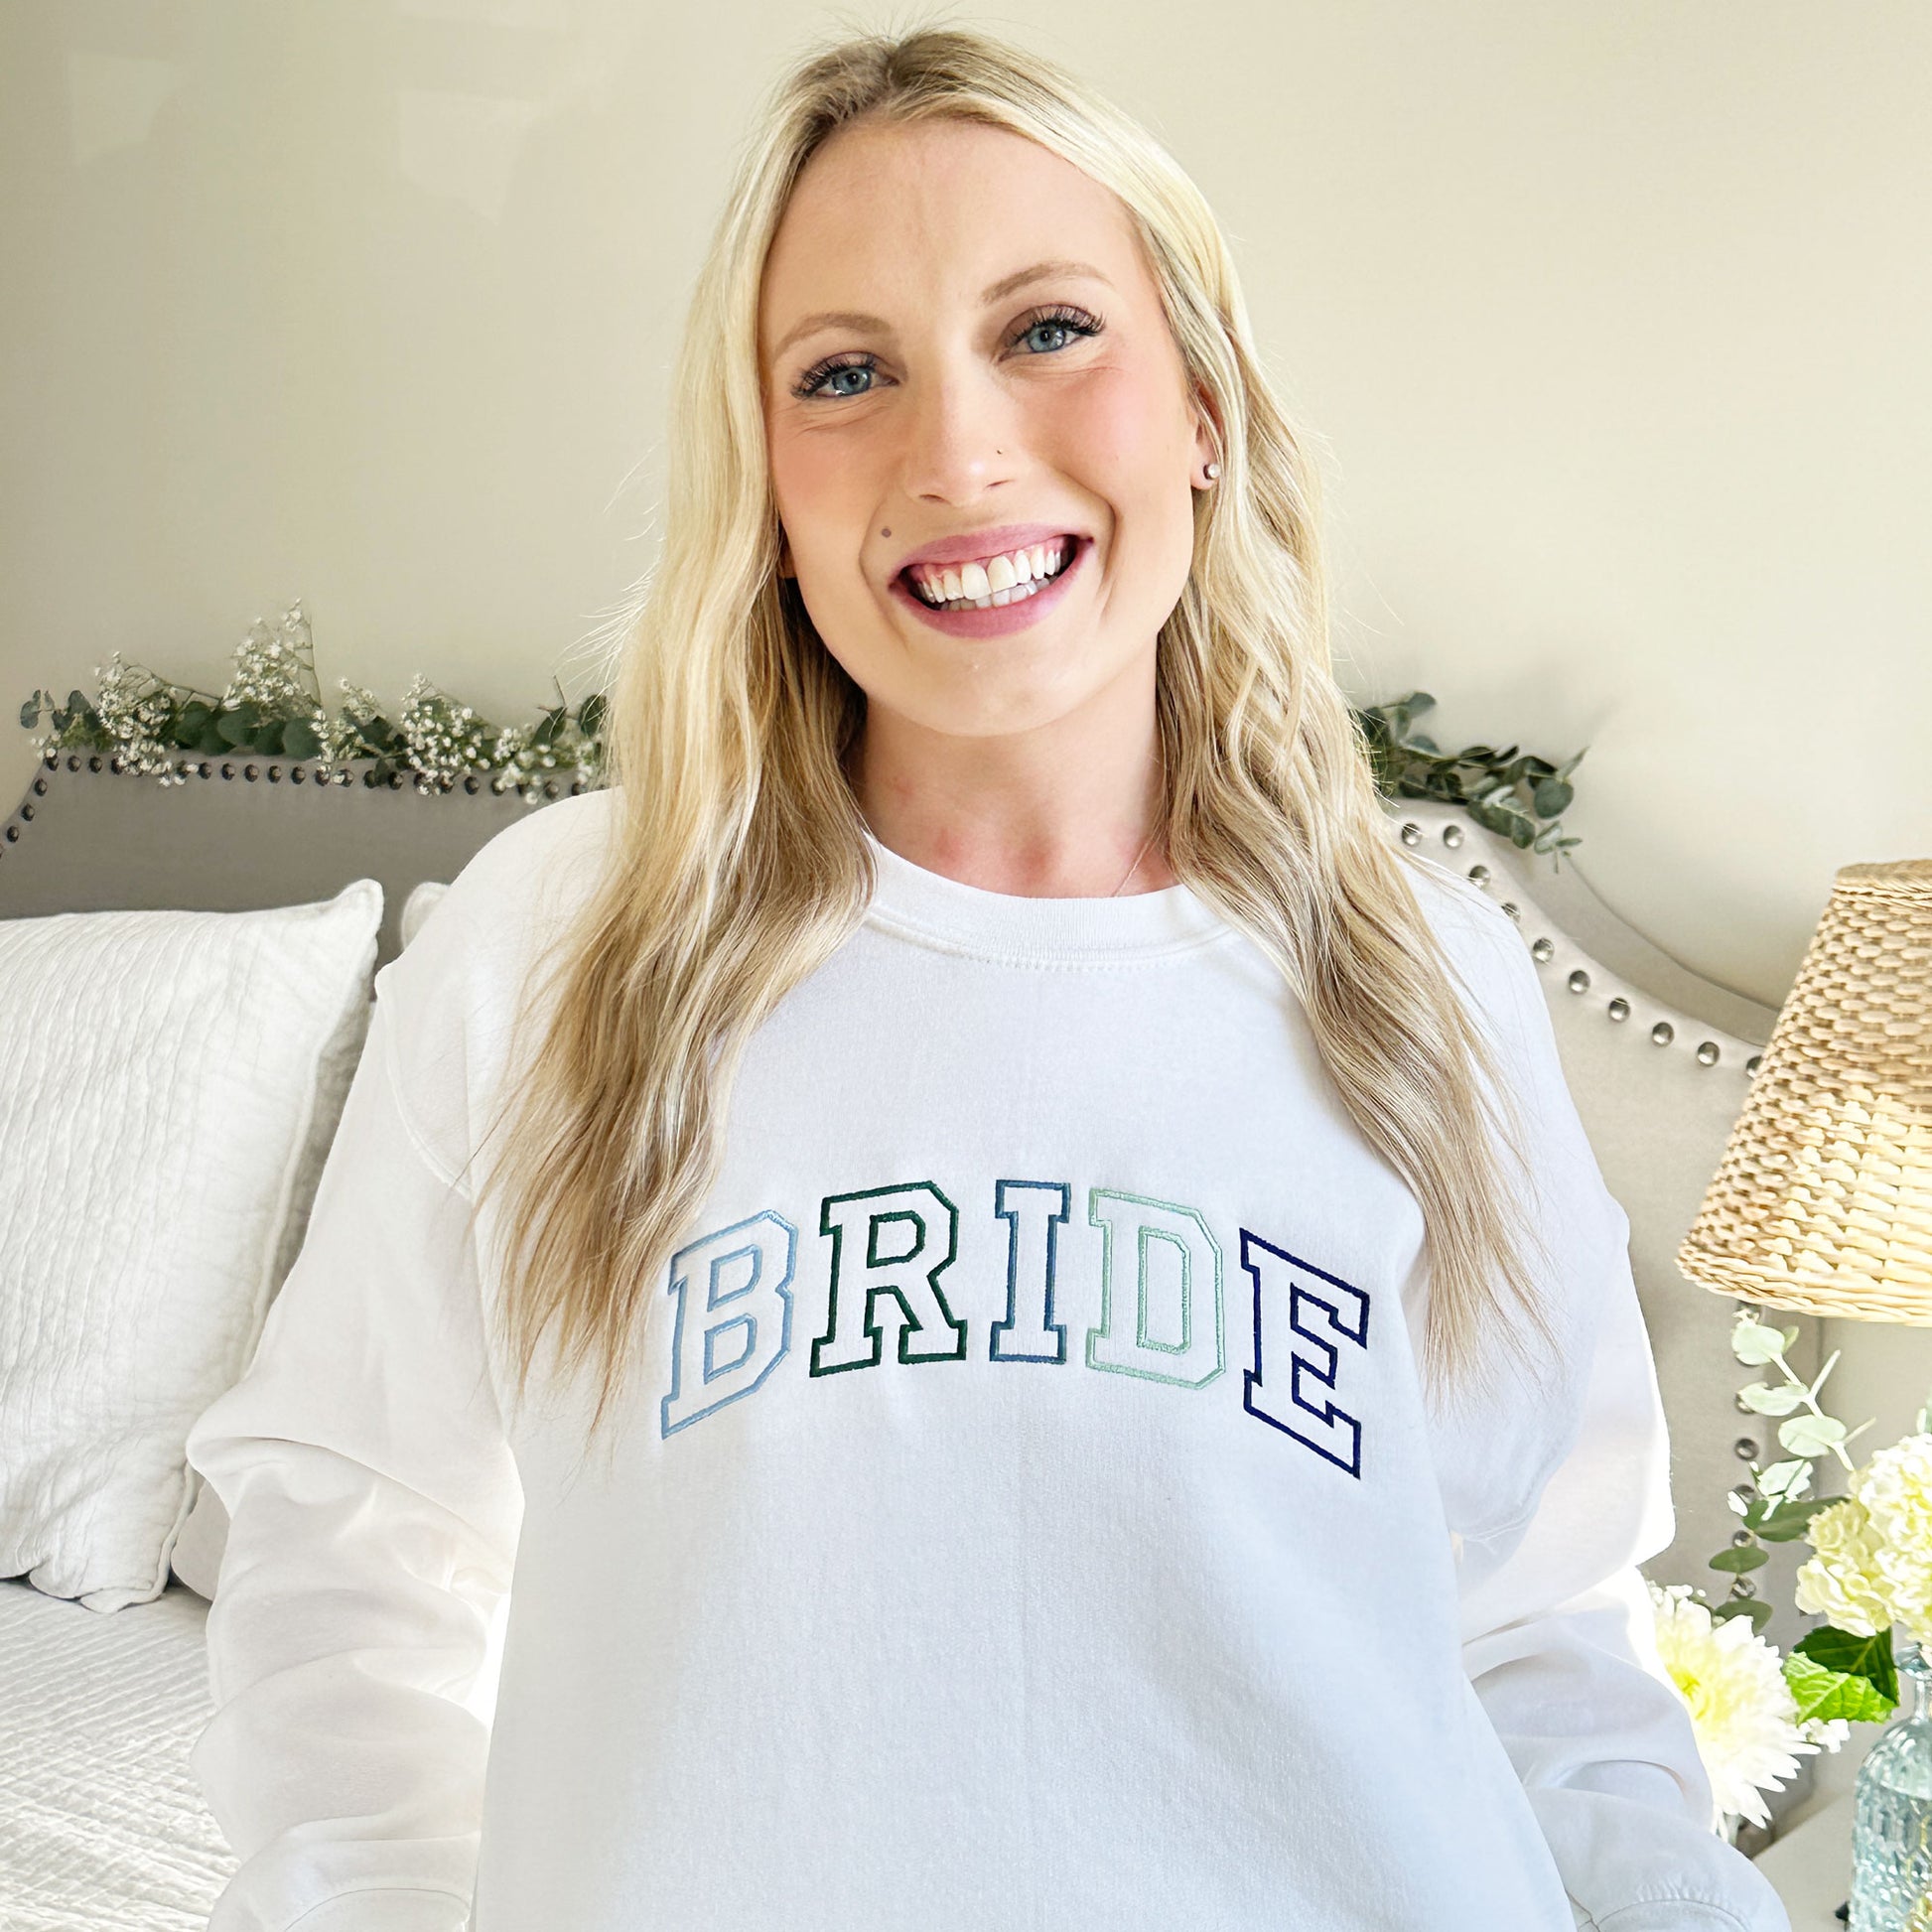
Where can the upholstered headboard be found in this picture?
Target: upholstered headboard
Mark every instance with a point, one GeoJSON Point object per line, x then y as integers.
{"type": "Point", "coordinates": [1658, 1058]}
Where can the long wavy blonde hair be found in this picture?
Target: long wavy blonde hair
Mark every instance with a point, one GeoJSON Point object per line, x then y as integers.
{"type": "Point", "coordinates": [738, 863]}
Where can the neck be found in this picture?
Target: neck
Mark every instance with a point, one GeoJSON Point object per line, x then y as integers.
{"type": "Point", "coordinates": [1069, 810]}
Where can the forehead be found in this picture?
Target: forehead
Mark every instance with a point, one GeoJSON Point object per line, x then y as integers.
{"type": "Point", "coordinates": [885, 217]}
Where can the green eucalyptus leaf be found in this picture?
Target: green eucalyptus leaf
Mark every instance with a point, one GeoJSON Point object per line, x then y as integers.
{"type": "Point", "coordinates": [1785, 1479]}
{"type": "Point", "coordinates": [589, 714]}
{"type": "Point", "coordinates": [299, 739]}
{"type": "Point", "coordinates": [1753, 1343]}
{"type": "Point", "coordinates": [1771, 1399]}
{"type": "Point", "coordinates": [1552, 798]}
{"type": "Point", "coordinates": [1811, 1435]}
{"type": "Point", "coordinates": [29, 713]}
{"type": "Point", "coordinates": [212, 743]}
{"type": "Point", "coordinates": [1788, 1521]}
{"type": "Point", "coordinates": [1756, 1609]}
{"type": "Point", "coordinates": [1745, 1555]}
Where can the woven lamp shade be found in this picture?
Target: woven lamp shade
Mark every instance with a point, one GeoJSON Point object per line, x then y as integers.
{"type": "Point", "coordinates": [1824, 1198]}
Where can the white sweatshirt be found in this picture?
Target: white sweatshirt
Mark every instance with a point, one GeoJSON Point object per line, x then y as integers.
{"type": "Point", "coordinates": [1025, 1518]}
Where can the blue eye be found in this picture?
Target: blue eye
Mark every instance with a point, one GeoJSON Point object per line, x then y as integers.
{"type": "Point", "coordinates": [812, 381]}
{"type": "Point", "coordinates": [1068, 321]}
{"type": "Point", "coordinates": [1071, 322]}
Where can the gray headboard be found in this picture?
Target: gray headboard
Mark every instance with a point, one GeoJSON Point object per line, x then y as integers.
{"type": "Point", "coordinates": [1658, 1058]}
{"type": "Point", "coordinates": [89, 836]}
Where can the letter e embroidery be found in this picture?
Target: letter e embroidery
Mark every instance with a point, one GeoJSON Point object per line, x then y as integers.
{"type": "Point", "coordinates": [1296, 1298]}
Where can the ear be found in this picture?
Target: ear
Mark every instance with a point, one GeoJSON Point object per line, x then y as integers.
{"type": "Point", "coordinates": [1207, 434]}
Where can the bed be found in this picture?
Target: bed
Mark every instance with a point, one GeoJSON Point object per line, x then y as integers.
{"type": "Point", "coordinates": [101, 1824]}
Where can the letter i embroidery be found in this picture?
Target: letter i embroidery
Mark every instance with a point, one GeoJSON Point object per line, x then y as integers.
{"type": "Point", "coordinates": [1034, 1212]}
{"type": "Point", "coordinates": [1293, 1296]}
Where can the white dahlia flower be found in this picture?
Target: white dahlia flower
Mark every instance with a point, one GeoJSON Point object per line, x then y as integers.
{"type": "Point", "coordinates": [1742, 1708]}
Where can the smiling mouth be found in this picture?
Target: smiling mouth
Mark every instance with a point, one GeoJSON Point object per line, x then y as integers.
{"type": "Point", "coordinates": [1014, 594]}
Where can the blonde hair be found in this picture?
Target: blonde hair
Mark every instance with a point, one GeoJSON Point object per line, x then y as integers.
{"type": "Point", "coordinates": [740, 864]}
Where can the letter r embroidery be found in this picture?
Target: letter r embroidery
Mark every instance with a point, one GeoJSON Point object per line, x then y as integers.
{"type": "Point", "coordinates": [861, 1273]}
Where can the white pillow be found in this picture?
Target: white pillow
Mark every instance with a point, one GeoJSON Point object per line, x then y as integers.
{"type": "Point", "coordinates": [205, 1536]}
{"type": "Point", "coordinates": [167, 1079]}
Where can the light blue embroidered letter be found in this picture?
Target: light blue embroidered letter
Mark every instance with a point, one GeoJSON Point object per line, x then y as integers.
{"type": "Point", "coordinates": [1139, 1227]}
{"type": "Point", "coordinates": [731, 1333]}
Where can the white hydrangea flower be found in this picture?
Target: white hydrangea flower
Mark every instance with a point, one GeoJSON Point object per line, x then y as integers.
{"type": "Point", "coordinates": [1843, 1582]}
{"type": "Point", "coordinates": [1741, 1710]}
{"type": "Point", "coordinates": [1873, 1566]}
{"type": "Point", "coordinates": [1896, 1487]}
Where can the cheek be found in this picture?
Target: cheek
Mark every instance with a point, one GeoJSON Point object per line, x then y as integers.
{"type": "Point", "coordinates": [1117, 434]}
{"type": "Point", "coordinates": [809, 475]}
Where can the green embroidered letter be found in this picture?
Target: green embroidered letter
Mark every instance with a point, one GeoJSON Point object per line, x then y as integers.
{"type": "Point", "coordinates": [926, 1225]}
{"type": "Point", "coordinates": [1144, 1229]}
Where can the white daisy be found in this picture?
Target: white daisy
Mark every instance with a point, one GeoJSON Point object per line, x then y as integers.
{"type": "Point", "coordinates": [1742, 1708]}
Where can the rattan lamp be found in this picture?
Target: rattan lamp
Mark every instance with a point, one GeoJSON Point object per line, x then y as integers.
{"type": "Point", "coordinates": [1824, 1199]}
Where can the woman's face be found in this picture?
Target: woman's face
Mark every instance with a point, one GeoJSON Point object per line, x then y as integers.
{"type": "Point", "coordinates": [962, 351]}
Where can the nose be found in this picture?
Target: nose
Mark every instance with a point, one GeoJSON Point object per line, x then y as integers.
{"type": "Point", "coordinates": [961, 438]}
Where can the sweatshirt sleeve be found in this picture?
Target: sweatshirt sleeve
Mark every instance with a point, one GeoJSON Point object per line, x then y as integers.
{"type": "Point", "coordinates": [374, 1508]}
{"type": "Point", "coordinates": [1559, 1642]}
{"type": "Point", "coordinates": [1558, 1634]}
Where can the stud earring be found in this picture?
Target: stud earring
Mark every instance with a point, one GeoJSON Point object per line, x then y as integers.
{"type": "Point", "coordinates": [1213, 471]}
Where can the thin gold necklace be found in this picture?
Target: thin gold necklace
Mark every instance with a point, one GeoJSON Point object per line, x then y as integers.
{"type": "Point", "coordinates": [1134, 867]}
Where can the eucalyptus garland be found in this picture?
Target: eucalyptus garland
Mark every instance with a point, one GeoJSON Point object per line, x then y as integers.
{"type": "Point", "coordinates": [272, 707]}
{"type": "Point", "coordinates": [1511, 792]}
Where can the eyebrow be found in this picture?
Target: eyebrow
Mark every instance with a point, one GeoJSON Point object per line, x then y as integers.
{"type": "Point", "coordinates": [1005, 286]}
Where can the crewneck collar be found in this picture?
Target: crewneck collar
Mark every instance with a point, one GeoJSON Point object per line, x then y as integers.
{"type": "Point", "coordinates": [932, 909]}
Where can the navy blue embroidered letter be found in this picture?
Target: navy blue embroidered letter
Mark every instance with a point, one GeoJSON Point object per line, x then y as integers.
{"type": "Point", "coordinates": [1293, 1296]}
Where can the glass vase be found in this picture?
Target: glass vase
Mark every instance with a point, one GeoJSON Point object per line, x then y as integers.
{"type": "Point", "coordinates": [1891, 1817]}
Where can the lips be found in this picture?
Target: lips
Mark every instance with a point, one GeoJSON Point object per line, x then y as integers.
{"type": "Point", "coordinates": [998, 620]}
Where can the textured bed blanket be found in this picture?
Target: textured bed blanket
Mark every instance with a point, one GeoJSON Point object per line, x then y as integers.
{"type": "Point", "coordinates": [102, 1822]}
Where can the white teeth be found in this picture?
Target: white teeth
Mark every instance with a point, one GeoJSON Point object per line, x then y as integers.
{"type": "Point", "coordinates": [999, 579]}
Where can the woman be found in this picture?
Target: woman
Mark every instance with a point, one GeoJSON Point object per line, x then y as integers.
{"type": "Point", "coordinates": [1021, 1175]}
